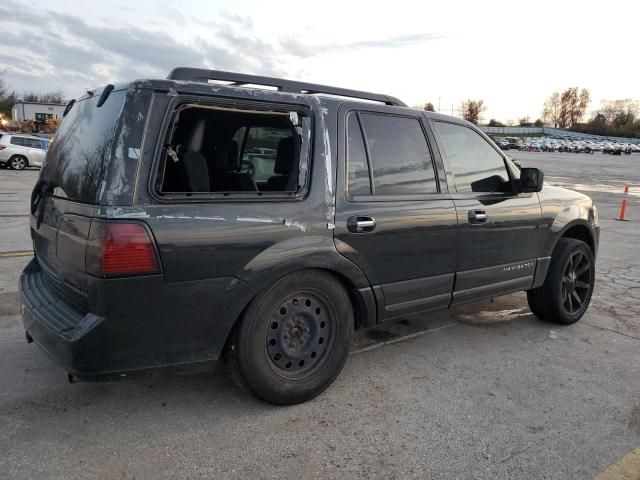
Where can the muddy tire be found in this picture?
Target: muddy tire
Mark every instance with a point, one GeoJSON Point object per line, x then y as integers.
{"type": "Point", "coordinates": [565, 295]}
{"type": "Point", "coordinates": [293, 339]}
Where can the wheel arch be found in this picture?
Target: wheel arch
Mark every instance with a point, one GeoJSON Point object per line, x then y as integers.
{"type": "Point", "coordinates": [313, 253]}
{"type": "Point", "coordinates": [580, 231]}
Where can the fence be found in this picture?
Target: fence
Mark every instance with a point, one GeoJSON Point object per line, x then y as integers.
{"type": "Point", "coordinates": [554, 131]}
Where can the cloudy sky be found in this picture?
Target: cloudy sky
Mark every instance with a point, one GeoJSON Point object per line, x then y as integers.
{"type": "Point", "coordinates": [511, 54]}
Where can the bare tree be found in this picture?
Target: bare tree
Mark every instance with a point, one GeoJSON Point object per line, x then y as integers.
{"type": "Point", "coordinates": [7, 98]}
{"type": "Point", "coordinates": [551, 109]}
{"type": "Point", "coordinates": [566, 109]}
{"type": "Point", "coordinates": [472, 110]}
{"type": "Point", "coordinates": [54, 96]}
{"type": "Point", "coordinates": [525, 121]}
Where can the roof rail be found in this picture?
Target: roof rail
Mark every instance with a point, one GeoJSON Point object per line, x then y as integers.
{"type": "Point", "coordinates": [238, 79]}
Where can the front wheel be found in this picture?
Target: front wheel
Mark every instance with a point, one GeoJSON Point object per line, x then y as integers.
{"type": "Point", "coordinates": [293, 339]}
{"type": "Point", "coordinates": [18, 162]}
{"type": "Point", "coordinates": [565, 295]}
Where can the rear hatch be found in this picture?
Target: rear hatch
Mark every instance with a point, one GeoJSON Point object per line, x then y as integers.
{"type": "Point", "coordinates": [89, 152]}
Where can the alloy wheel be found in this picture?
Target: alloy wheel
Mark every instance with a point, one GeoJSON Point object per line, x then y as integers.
{"type": "Point", "coordinates": [18, 163]}
{"type": "Point", "coordinates": [576, 283]}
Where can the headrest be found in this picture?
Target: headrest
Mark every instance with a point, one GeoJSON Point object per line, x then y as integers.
{"type": "Point", "coordinates": [285, 156]}
{"type": "Point", "coordinates": [197, 135]}
{"type": "Point", "coordinates": [227, 157]}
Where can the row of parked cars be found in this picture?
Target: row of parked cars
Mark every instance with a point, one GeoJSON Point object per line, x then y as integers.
{"type": "Point", "coordinates": [554, 144]}
{"type": "Point", "coordinates": [18, 151]}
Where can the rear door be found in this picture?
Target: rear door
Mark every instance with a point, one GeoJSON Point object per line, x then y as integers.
{"type": "Point", "coordinates": [66, 194]}
{"type": "Point", "coordinates": [18, 146]}
{"type": "Point", "coordinates": [500, 231]}
{"type": "Point", "coordinates": [394, 217]}
{"type": "Point", "coordinates": [35, 151]}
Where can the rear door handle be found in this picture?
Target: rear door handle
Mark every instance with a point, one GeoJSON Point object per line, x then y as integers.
{"type": "Point", "coordinates": [477, 216]}
{"type": "Point", "coordinates": [361, 224]}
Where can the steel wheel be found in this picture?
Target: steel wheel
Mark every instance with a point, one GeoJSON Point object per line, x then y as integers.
{"type": "Point", "coordinates": [18, 163]}
{"type": "Point", "coordinates": [576, 282]}
{"type": "Point", "coordinates": [293, 338]}
{"type": "Point", "coordinates": [299, 335]}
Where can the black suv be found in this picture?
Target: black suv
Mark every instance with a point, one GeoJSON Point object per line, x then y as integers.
{"type": "Point", "coordinates": [178, 220]}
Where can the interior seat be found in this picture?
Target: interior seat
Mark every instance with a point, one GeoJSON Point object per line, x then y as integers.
{"type": "Point", "coordinates": [195, 163]}
{"type": "Point", "coordinates": [285, 168]}
{"type": "Point", "coordinates": [226, 176]}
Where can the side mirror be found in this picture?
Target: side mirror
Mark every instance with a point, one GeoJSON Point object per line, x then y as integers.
{"type": "Point", "coordinates": [531, 180]}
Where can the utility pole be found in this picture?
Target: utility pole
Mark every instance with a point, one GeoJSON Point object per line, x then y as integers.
{"type": "Point", "coordinates": [439, 98]}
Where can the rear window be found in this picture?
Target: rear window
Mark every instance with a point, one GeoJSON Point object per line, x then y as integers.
{"type": "Point", "coordinates": [77, 156]}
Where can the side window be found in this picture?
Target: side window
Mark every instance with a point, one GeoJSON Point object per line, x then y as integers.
{"type": "Point", "coordinates": [400, 158]}
{"type": "Point", "coordinates": [357, 166]}
{"type": "Point", "coordinates": [476, 165]}
{"type": "Point", "coordinates": [17, 141]}
{"type": "Point", "coordinates": [214, 149]}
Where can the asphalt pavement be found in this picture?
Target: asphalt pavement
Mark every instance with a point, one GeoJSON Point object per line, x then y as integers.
{"type": "Point", "coordinates": [477, 392]}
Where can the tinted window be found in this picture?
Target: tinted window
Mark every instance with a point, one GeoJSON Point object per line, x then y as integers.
{"type": "Point", "coordinates": [82, 145]}
{"type": "Point", "coordinates": [400, 158]}
{"type": "Point", "coordinates": [358, 170]}
{"type": "Point", "coordinates": [18, 141]}
{"type": "Point", "coordinates": [476, 165]}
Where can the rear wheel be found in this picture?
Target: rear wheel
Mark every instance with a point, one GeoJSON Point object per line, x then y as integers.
{"type": "Point", "coordinates": [294, 338]}
{"type": "Point", "coordinates": [565, 295]}
{"type": "Point", "coordinates": [18, 162]}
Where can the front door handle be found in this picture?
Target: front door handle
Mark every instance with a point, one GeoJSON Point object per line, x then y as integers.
{"type": "Point", "coordinates": [361, 224]}
{"type": "Point", "coordinates": [477, 216]}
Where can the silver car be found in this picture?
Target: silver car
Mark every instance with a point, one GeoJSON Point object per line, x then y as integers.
{"type": "Point", "coordinates": [22, 151]}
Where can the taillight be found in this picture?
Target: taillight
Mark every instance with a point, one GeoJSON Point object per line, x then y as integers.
{"type": "Point", "coordinates": [2, 147]}
{"type": "Point", "coordinates": [117, 249]}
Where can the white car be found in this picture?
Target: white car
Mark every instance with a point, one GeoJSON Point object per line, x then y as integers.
{"type": "Point", "coordinates": [21, 151]}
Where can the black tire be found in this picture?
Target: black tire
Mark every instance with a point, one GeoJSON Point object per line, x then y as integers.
{"type": "Point", "coordinates": [293, 339]}
{"type": "Point", "coordinates": [565, 295]}
{"type": "Point", "coordinates": [18, 162]}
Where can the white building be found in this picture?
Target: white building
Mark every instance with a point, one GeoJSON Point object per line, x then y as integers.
{"type": "Point", "coordinates": [40, 112]}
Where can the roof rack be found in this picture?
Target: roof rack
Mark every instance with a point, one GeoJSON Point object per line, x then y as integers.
{"type": "Point", "coordinates": [239, 79]}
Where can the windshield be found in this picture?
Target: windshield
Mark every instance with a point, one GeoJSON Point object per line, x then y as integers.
{"type": "Point", "coordinates": [83, 144]}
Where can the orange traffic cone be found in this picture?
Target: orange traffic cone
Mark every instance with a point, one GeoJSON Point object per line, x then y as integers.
{"type": "Point", "coordinates": [623, 206]}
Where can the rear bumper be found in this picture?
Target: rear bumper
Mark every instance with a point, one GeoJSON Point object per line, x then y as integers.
{"type": "Point", "coordinates": [63, 332]}
{"type": "Point", "coordinates": [140, 323]}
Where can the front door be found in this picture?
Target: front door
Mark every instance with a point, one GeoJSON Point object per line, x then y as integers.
{"type": "Point", "coordinates": [500, 231]}
{"type": "Point", "coordinates": [393, 219]}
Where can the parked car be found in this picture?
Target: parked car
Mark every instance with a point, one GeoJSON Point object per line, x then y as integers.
{"type": "Point", "coordinates": [154, 247]}
{"type": "Point", "coordinates": [21, 151]}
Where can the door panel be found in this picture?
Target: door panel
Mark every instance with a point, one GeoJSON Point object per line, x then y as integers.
{"type": "Point", "coordinates": [411, 254]}
{"type": "Point", "coordinates": [405, 243]}
{"type": "Point", "coordinates": [500, 231]}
